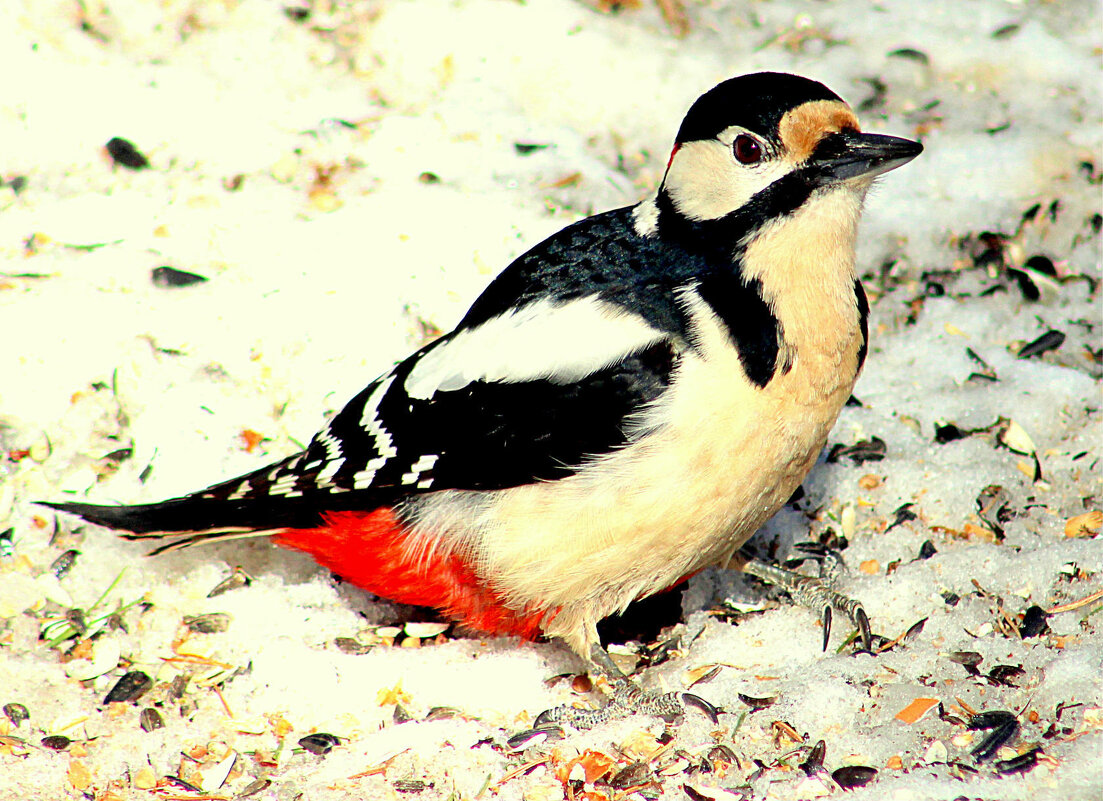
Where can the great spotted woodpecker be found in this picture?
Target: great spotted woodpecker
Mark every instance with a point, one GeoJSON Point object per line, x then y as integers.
{"type": "Point", "coordinates": [624, 405]}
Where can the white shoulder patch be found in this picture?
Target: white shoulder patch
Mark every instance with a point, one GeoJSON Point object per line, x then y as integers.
{"type": "Point", "coordinates": [560, 342]}
{"type": "Point", "coordinates": [645, 217]}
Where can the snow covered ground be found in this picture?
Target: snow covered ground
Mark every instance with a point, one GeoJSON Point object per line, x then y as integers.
{"type": "Point", "coordinates": [347, 175]}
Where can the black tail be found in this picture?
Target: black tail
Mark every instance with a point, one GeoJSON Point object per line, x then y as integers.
{"type": "Point", "coordinates": [240, 505]}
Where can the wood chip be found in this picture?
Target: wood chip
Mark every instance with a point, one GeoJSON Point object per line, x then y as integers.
{"type": "Point", "coordinates": [916, 709]}
{"type": "Point", "coordinates": [869, 481]}
{"type": "Point", "coordinates": [144, 778]}
{"type": "Point", "coordinates": [1085, 525]}
{"type": "Point", "coordinates": [703, 673]}
{"type": "Point", "coordinates": [79, 775]}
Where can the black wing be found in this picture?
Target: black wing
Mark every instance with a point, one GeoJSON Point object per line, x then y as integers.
{"type": "Point", "coordinates": [488, 433]}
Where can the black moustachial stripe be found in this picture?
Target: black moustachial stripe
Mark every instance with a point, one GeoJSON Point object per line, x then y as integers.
{"type": "Point", "coordinates": [722, 239]}
{"type": "Point", "coordinates": [754, 330]}
{"type": "Point", "coordinates": [863, 321]}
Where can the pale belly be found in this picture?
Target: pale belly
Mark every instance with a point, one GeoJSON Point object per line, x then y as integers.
{"type": "Point", "coordinates": [723, 457]}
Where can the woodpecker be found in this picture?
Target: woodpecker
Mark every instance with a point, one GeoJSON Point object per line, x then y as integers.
{"type": "Point", "coordinates": [624, 405]}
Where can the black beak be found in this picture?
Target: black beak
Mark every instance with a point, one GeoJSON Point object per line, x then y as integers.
{"type": "Point", "coordinates": [850, 154]}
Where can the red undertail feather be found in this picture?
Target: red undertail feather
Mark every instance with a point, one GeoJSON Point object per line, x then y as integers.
{"type": "Point", "coordinates": [373, 551]}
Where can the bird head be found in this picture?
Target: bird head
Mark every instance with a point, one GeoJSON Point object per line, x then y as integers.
{"type": "Point", "coordinates": [756, 147]}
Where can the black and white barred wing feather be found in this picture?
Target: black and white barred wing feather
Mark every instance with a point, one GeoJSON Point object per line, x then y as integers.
{"type": "Point", "coordinates": [527, 395]}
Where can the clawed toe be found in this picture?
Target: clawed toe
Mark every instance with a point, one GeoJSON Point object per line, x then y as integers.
{"type": "Point", "coordinates": [627, 700]}
{"type": "Point", "coordinates": [816, 592]}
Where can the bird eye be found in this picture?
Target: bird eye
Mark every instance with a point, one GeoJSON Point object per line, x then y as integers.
{"type": "Point", "coordinates": [746, 150]}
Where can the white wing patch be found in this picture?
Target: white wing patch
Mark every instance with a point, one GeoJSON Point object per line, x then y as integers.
{"type": "Point", "coordinates": [557, 341]}
{"type": "Point", "coordinates": [645, 217]}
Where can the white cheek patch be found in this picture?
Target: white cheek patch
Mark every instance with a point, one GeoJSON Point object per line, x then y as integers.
{"type": "Point", "coordinates": [560, 342]}
{"type": "Point", "coordinates": [706, 182]}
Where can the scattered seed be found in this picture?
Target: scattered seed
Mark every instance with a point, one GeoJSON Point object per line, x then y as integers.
{"type": "Point", "coordinates": [239, 578]}
{"type": "Point", "coordinates": [915, 629]}
{"type": "Point", "coordinates": [255, 787]}
{"type": "Point", "coordinates": [75, 618]}
{"type": "Point", "coordinates": [400, 714]}
{"type": "Point", "coordinates": [985, 372]}
{"type": "Point", "coordinates": [528, 148]}
{"type": "Point", "coordinates": [582, 683]}
{"type": "Point", "coordinates": [850, 777]}
{"type": "Point", "coordinates": [130, 687]}
{"type": "Point", "coordinates": [866, 450]}
{"type": "Point", "coordinates": [16, 713]}
{"type": "Point", "coordinates": [757, 703]}
{"type": "Point", "coordinates": [170, 278]}
{"type": "Point", "coordinates": [910, 54]}
{"type": "Point", "coordinates": [877, 97]}
{"type": "Point", "coordinates": [183, 785]}
{"type": "Point", "coordinates": [425, 630]}
{"type": "Point", "coordinates": [902, 515]}
{"type": "Point", "coordinates": [1023, 763]}
{"type": "Point", "coordinates": [783, 729]}
{"type": "Point", "coordinates": [696, 701]}
{"type": "Point", "coordinates": [1038, 272]}
{"type": "Point", "coordinates": [178, 686]}
{"type": "Point", "coordinates": [124, 153]}
{"type": "Point", "coordinates": [150, 719]}
{"type": "Point", "coordinates": [633, 775]}
{"type": "Point", "coordinates": [429, 178]}
{"type": "Point", "coordinates": [1062, 707]}
{"type": "Point", "coordinates": [948, 432]}
{"type": "Point", "coordinates": [1050, 340]}
{"type": "Point", "coordinates": [1004, 727]}
{"type": "Point", "coordinates": [56, 742]}
{"type": "Point", "coordinates": [319, 743]}
{"type": "Point", "coordinates": [64, 563]}
{"type": "Point", "coordinates": [1005, 674]}
{"type": "Point", "coordinates": [951, 598]}
{"type": "Point", "coordinates": [700, 675]}
{"type": "Point", "coordinates": [927, 550]}
{"type": "Point", "coordinates": [210, 623]}
{"type": "Point", "coordinates": [970, 659]}
{"type": "Point", "coordinates": [348, 645]}
{"type": "Point", "coordinates": [215, 777]}
{"type": "Point", "coordinates": [813, 764]}
{"type": "Point", "coordinates": [946, 717]}
{"type": "Point", "coordinates": [442, 713]}
{"type": "Point", "coordinates": [1034, 622]}
{"type": "Point", "coordinates": [411, 785]}
{"type": "Point", "coordinates": [525, 739]}
{"type": "Point", "coordinates": [994, 507]}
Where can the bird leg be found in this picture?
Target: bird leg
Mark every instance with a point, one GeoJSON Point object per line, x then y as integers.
{"type": "Point", "coordinates": [814, 592]}
{"type": "Point", "coordinates": [627, 699]}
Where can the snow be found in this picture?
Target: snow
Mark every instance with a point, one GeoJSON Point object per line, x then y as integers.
{"type": "Point", "coordinates": [348, 182]}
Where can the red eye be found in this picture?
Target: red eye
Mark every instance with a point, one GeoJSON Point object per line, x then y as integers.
{"type": "Point", "coordinates": [746, 150]}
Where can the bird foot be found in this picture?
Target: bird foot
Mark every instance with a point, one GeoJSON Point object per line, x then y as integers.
{"type": "Point", "coordinates": [627, 699]}
{"type": "Point", "coordinates": [816, 592]}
